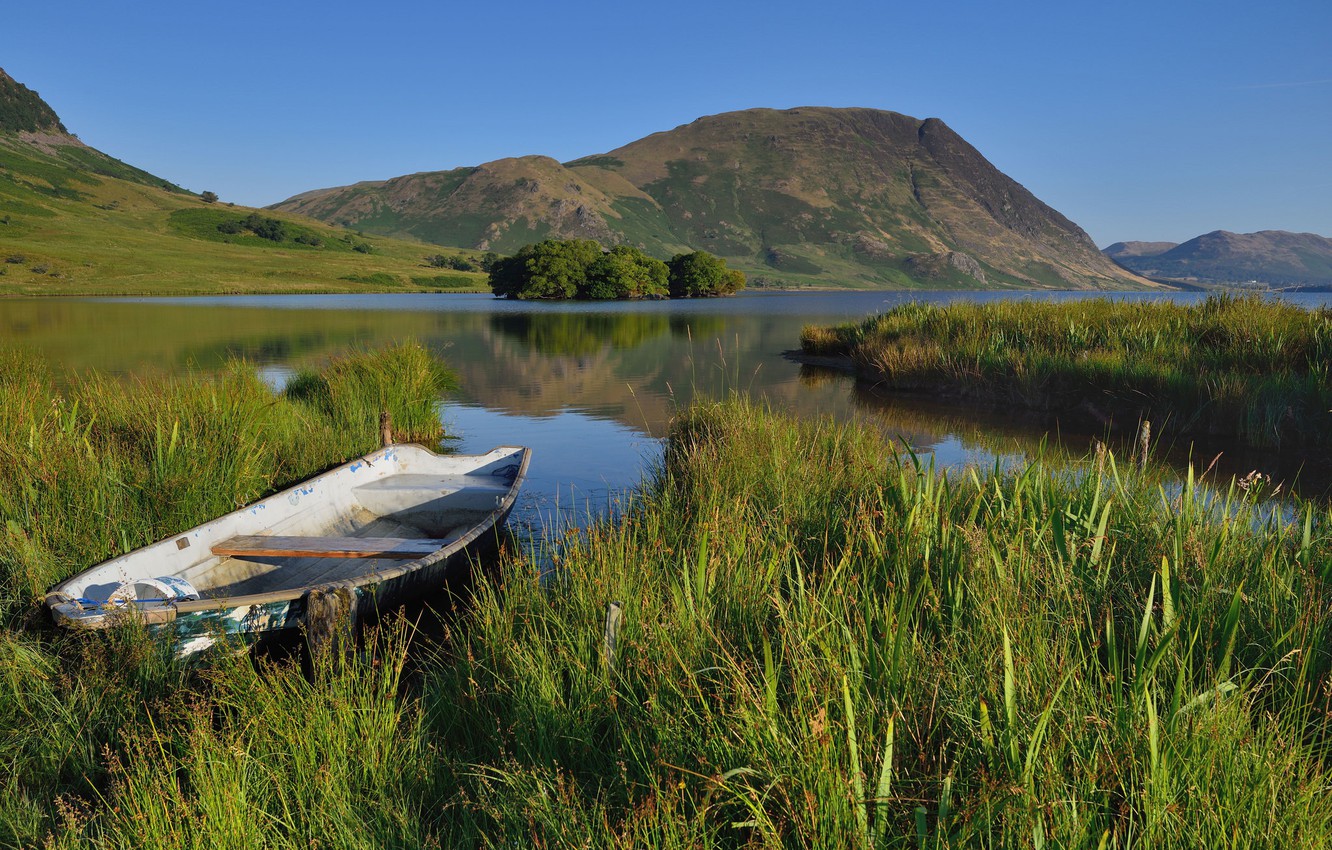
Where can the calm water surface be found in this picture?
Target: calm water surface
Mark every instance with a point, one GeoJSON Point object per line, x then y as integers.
{"type": "Point", "coordinates": [591, 387]}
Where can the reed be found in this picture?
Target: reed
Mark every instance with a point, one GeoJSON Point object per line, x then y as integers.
{"type": "Point", "coordinates": [93, 467]}
{"type": "Point", "coordinates": [1244, 367]}
{"type": "Point", "coordinates": [827, 644]}
{"type": "Point", "coordinates": [822, 643]}
{"type": "Point", "coordinates": [103, 466]}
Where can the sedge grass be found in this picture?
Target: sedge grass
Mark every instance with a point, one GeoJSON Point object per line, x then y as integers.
{"type": "Point", "coordinates": [823, 644]}
{"type": "Point", "coordinates": [1242, 367]}
{"type": "Point", "coordinates": [106, 466]}
{"type": "Point", "coordinates": [97, 467]}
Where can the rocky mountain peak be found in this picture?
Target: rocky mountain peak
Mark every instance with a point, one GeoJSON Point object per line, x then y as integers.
{"type": "Point", "coordinates": [22, 110]}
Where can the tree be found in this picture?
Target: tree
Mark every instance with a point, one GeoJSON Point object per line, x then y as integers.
{"type": "Point", "coordinates": [702, 275]}
{"type": "Point", "coordinates": [508, 274]}
{"type": "Point", "coordinates": [579, 268]}
{"type": "Point", "coordinates": [625, 272]}
{"type": "Point", "coordinates": [458, 262]}
{"type": "Point", "coordinates": [548, 269]}
{"type": "Point", "coordinates": [208, 197]}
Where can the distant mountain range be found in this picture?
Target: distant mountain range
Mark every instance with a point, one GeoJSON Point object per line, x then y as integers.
{"type": "Point", "coordinates": [856, 197]}
{"type": "Point", "coordinates": [1269, 258]}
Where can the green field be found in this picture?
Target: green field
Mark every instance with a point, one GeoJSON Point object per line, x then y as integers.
{"type": "Point", "coordinates": [75, 222]}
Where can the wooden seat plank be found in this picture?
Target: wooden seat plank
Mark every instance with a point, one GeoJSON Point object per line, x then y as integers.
{"type": "Point", "coordinates": [327, 547]}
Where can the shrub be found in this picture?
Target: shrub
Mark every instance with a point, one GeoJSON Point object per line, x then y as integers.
{"type": "Point", "coordinates": [457, 262]}
{"type": "Point", "coordinates": [266, 228]}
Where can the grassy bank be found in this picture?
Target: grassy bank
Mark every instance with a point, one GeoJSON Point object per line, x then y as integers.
{"type": "Point", "coordinates": [821, 645]}
{"type": "Point", "coordinates": [105, 466]}
{"type": "Point", "coordinates": [100, 467]}
{"type": "Point", "coordinates": [71, 227]}
{"type": "Point", "coordinates": [825, 646]}
{"type": "Point", "coordinates": [1240, 367]}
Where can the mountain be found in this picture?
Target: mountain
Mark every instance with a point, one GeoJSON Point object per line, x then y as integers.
{"type": "Point", "coordinates": [815, 195]}
{"type": "Point", "coordinates": [23, 111]}
{"type": "Point", "coordinates": [29, 125]}
{"type": "Point", "coordinates": [1269, 257]}
{"type": "Point", "coordinates": [74, 220]}
{"type": "Point", "coordinates": [1129, 250]}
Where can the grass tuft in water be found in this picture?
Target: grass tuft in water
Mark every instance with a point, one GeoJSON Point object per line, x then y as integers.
{"type": "Point", "coordinates": [1254, 369]}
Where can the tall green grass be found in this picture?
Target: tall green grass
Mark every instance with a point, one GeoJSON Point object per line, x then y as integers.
{"type": "Point", "coordinates": [828, 645]}
{"type": "Point", "coordinates": [95, 467]}
{"type": "Point", "coordinates": [104, 465]}
{"type": "Point", "coordinates": [1244, 367]}
{"type": "Point", "coordinates": [823, 644]}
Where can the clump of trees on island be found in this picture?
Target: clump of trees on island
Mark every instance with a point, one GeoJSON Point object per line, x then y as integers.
{"type": "Point", "coordinates": [582, 269]}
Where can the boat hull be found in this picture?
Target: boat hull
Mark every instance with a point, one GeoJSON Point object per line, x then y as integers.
{"type": "Point", "coordinates": [464, 500]}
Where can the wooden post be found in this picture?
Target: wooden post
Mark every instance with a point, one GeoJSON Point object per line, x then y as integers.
{"type": "Point", "coordinates": [614, 614]}
{"type": "Point", "coordinates": [385, 429]}
{"type": "Point", "coordinates": [1144, 442]}
{"type": "Point", "coordinates": [329, 622]}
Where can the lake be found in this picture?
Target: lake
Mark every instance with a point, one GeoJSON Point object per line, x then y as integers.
{"type": "Point", "coordinates": [590, 386]}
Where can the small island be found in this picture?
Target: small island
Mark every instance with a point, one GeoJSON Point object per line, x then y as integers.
{"type": "Point", "coordinates": [582, 269]}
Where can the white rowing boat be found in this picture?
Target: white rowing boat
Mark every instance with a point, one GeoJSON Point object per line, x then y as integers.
{"type": "Point", "coordinates": [362, 538]}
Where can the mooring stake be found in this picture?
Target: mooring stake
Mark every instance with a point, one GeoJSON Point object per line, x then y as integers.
{"type": "Point", "coordinates": [385, 429]}
{"type": "Point", "coordinates": [1144, 442]}
{"type": "Point", "coordinates": [614, 613]}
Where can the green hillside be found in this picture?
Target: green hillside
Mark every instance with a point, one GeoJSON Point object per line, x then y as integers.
{"type": "Point", "coordinates": [820, 196]}
{"type": "Point", "coordinates": [76, 221]}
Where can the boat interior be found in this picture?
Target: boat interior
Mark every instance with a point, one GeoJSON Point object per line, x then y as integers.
{"type": "Point", "coordinates": [394, 520]}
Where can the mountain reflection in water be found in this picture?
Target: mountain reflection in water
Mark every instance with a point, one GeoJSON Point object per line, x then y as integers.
{"type": "Point", "coordinates": [592, 386]}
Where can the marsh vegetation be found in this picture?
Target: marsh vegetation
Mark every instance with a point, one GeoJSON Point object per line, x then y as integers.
{"type": "Point", "coordinates": [1253, 369]}
{"type": "Point", "coordinates": [822, 642]}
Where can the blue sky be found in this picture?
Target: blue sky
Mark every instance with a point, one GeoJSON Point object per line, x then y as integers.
{"type": "Point", "coordinates": [1138, 120]}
